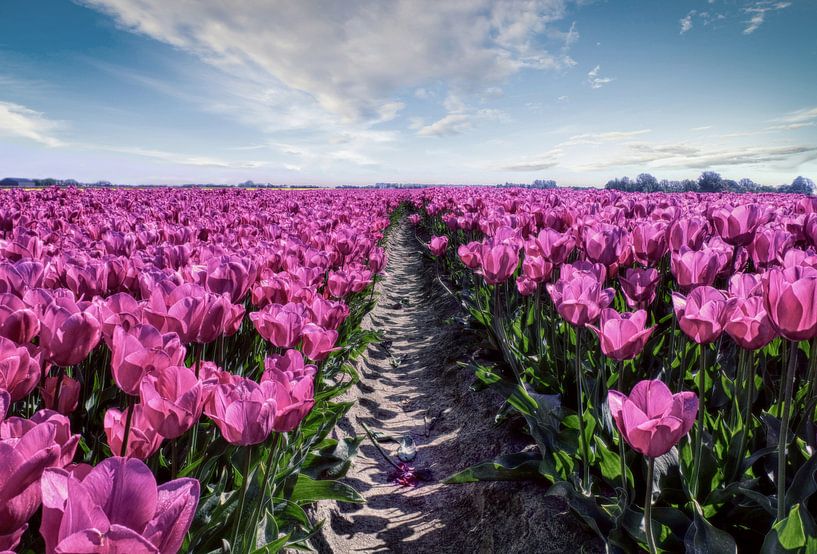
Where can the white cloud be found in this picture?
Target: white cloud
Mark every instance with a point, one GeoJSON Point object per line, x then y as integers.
{"type": "Point", "coordinates": [701, 128]}
{"type": "Point", "coordinates": [598, 138]}
{"type": "Point", "coordinates": [451, 124]}
{"type": "Point", "coordinates": [595, 79]}
{"type": "Point", "coordinates": [757, 12]}
{"type": "Point", "coordinates": [352, 58]}
{"type": "Point", "coordinates": [806, 115]}
{"type": "Point", "coordinates": [545, 161]}
{"type": "Point", "coordinates": [686, 22]}
{"type": "Point", "coordinates": [21, 122]}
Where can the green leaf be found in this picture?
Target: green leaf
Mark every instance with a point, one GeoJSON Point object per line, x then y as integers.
{"type": "Point", "coordinates": [794, 533]}
{"type": "Point", "coordinates": [803, 485]}
{"type": "Point", "coordinates": [511, 467]}
{"type": "Point", "coordinates": [332, 459]}
{"type": "Point", "coordinates": [309, 490]}
{"type": "Point", "coordinates": [703, 538]}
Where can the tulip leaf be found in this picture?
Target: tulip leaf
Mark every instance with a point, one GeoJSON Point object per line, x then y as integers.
{"type": "Point", "coordinates": [794, 533]}
{"type": "Point", "coordinates": [521, 466]}
{"type": "Point", "coordinates": [703, 538]}
{"type": "Point", "coordinates": [332, 458]}
{"type": "Point", "coordinates": [584, 506]}
{"type": "Point", "coordinates": [803, 485]}
{"type": "Point", "coordinates": [309, 490]}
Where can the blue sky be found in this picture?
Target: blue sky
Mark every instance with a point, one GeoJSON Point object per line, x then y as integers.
{"type": "Point", "coordinates": [324, 92]}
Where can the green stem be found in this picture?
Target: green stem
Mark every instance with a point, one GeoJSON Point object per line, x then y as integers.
{"type": "Point", "coordinates": [128, 418]}
{"type": "Point", "coordinates": [784, 431]}
{"type": "Point", "coordinates": [648, 507]}
{"type": "Point", "coordinates": [269, 477]}
{"type": "Point", "coordinates": [621, 451]}
{"type": "Point", "coordinates": [748, 379]}
{"type": "Point", "coordinates": [580, 407]}
{"type": "Point", "coordinates": [245, 483]}
{"type": "Point", "coordinates": [699, 435]}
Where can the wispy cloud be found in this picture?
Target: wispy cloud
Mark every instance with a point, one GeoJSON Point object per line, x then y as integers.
{"type": "Point", "coordinates": [21, 122]}
{"type": "Point", "coordinates": [598, 138]}
{"type": "Point", "coordinates": [595, 79]}
{"type": "Point", "coordinates": [686, 22]}
{"type": "Point", "coordinates": [757, 12]}
{"type": "Point", "coordinates": [547, 160]}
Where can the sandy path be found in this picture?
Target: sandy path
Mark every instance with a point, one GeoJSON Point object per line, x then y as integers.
{"type": "Point", "coordinates": [427, 395]}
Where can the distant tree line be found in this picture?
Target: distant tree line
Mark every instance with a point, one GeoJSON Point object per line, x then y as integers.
{"type": "Point", "coordinates": [709, 181]}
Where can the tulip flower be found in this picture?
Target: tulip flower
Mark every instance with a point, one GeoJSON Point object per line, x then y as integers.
{"type": "Point", "coordinates": [66, 399]}
{"type": "Point", "coordinates": [767, 245]}
{"type": "Point", "coordinates": [649, 241]}
{"type": "Point", "coordinates": [17, 427]}
{"type": "Point", "coordinates": [5, 404]}
{"type": "Point", "coordinates": [68, 332]}
{"type": "Point", "coordinates": [470, 254]}
{"type": "Point", "coordinates": [317, 342]}
{"type": "Point", "coordinates": [554, 246]}
{"type": "Point", "coordinates": [143, 439]}
{"type": "Point", "coordinates": [604, 244]}
{"type": "Point", "coordinates": [693, 268]}
{"type": "Point", "coordinates": [525, 286]}
{"type": "Point", "coordinates": [690, 232]}
{"type": "Point", "coordinates": [244, 411]}
{"type": "Point", "coordinates": [651, 419]}
{"type": "Point", "coordinates": [580, 299]}
{"type": "Point", "coordinates": [172, 399]}
{"type": "Point", "coordinates": [19, 369]}
{"type": "Point", "coordinates": [498, 262]}
{"type": "Point", "coordinates": [536, 269]}
{"type": "Point", "coordinates": [702, 313]}
{"type": "Point", "coordinates": [791, 301]}
{"type": "Point", "coordinates": [280, 325]}
{"type": "Point", "coordinates": [294, 392]}
{"type": "Point", "coordinates": [639, 286]}
{"type": "Point", "coordinates": [116, 507]}
{"type": "Point", "coordinates": [141, 351]}
{"type": "Point", "coordinates": [744, 285]}
{"type": "Point", "coordinates": [18, 322]}
{"type": "Point", "coordinates": [622, 335]}
{"type": "Point", "coordinates": [438, 245]}
{"type": "Point", "coordinates": [737, 226]}
{"type": "Point", "coordinates": [338, 284]}
{"type": "Point", "coordinates": [748, 323]}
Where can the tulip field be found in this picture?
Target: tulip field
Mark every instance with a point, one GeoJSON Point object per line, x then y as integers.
{"type": "Point", "coordinates": [658, 348]}
{"type": "Point", "coordinates": [174, 362]}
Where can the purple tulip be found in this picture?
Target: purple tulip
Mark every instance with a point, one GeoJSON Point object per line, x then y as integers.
{"type": "Point", "coordinates": [622, 335]}
{"type": "Point", "coordinates": [791, 301]}
{"type": "Point", "coordinates": [116, 507]}
{"type": "Point", "coordinates": [438, 245]}
{"type": "Point", "coordinates": [18, 322]}
{"type": "Point", "coordinates": [141, 351]}
{"type": "Point", "coordinates": [172, 400]}
{"type": "Point", "coordinates": [639, 286]}
{"type": "Point", "coordinates": [19, 369]}
{"type": "Point", "coordinates": [317, 342]}
{"type": "Point", "coordinates": [68, 331]}
{"type": "Point", "coordinates": [748, 323]}
{"type": "Point", "coordinates": [651, 419]}
{"type": "Point", "coordinates": [143, 438]}
{"type": "Point", "coordinates": [702, 313]}
{"type": "Point", "coordinates": [244, 411]}
{"type": "Point", "coordinates": [580, 299]}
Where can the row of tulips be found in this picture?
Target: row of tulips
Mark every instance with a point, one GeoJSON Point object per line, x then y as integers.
{"type": "Point", "coordinates": [674, 328]}
{"type": "Point", "coordinates": [170, 362]}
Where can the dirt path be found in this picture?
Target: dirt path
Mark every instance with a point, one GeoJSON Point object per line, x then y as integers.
{"type": "Point", "coordinates": [414, 386]}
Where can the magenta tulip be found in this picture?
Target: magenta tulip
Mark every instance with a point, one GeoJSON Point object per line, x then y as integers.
{"type": "Point", "coordinates": [498, 262]}
{"type": "Point", "coordinates": [622, 335]}
{"type": "Point", "coordinates": [279, 324]}
{"type": "Point", "coordinates": [737, 226]}
{"type": "Point", "coordinates": [651, 419]}
{"type": "Point", "coordinates": [649, 241]}
{"type": "Point", "coordinates": [19, 369]}
{"type": "Point", "coordinates": [437, 245]}
{"type": "Point", "coordinates": [791, 301]}
{"type": "Point", "coordinates": [749, 324]}
{"type": "Point", "coordinates": [702, 313]}
{"type": "Point", "coordinates": [639, 286]}
{"type": "Point", "coordinates": [18, 322]}
{"type": "Point", "coordinates": [554, 246]}
{"type": "Point", "coordinates": [244, 411]}
{"type": "Point", "coordinates": [143, 438]}
{"type": "Point", "coordinates": [536, 269]}
{"type": "Point", "coordinates": [64, 401]}
{"type": "Point", "coordinates": [693, 268]}
{"type": "Point", "coordinates": [116, 507]}
{"type": "Point", "coordinates": [580, 300]}
{"type": "Point", "coordinates": [317, 342]}
{"type": "Point", "coordinates": [140, 351]}
{"type": "Point", "coordinates": [470, 254]}
{"type": "Point", "coordinates": [172, 399]}
{"type": "Point", "coordinates": [68, 332]}
{"type": "Point", "coordinates": [295, 390]}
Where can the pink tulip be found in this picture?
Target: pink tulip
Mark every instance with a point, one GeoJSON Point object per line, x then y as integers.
{"type": "Point", "coordinates": [791, 301]}
{"type": "Point", "coordinates": [179, 311]}
{"type": "Point", "coordinates": [737, 226]}
{"type": "Point", "coordinates": [5, 404]}
{"type": "Point", "coordinates": [338, 284]}
{"type": "Point", "coordinates": [651, 419]}
{"type": "Point", "coordinates": [19, 369]}
{"type": "Point", "coordinates": [693, 268]}
{"type": "Point", "coordinates": [580, 300]}
{"type": "Point", "coordinates": [317, 342]}
{"type": "Point", "coordinates": [326, 313]}
{"type": "Point", "coordinates": [17, 427]}
{"type": "Point", "coordinates": [498, 262]}
{"type": "Point", "coordinates": [66, 400]}
{"type": "Point", "coordinates": [17, 277]}
{"type": "Point", "coordinates": [280, 325]}
{"type": "Point", "coordinates": [470, 254]}
{"type": "Point", "coordinates": [143, 438]}
{"type": "Point", "coordinates": [116, 507]}
{"type": "Point", "coordinates": [25, 452]}
{"type": "Point", "coordinates": [604, 244]}
{"type": "Point", "coordinates": [68, 332]}
{"type": "Point", "coordinates": [141, 351]}
{"type": "Point", "coordinates": [555, 246]}
{"type": "Point", "coordinates": [749, 324]}
{"type": "Point", "coordinates": [690, 232]}
{"type": "Point", "coordinates": [622, 335]}
{"type": "Point", "coordinates": [767, 245]}
{"type": "Point", "coordinates": [702, 313]}
{"type": "Point", "coordinates": [639, 286]}
{"type": "Point", "coordinates": [536, 269]}
{"type": "Point", "coordinates": [244, 411]}
{"type": "Point", "coordinates": [744, 285]}
{"type": "Point", "coordinates": [438, 245]}
{"type": "Point", "coordinates": [118, 310]}
{"type": "Point", "coordinates": [295, 390]}
{"type": "Point", "coordinates": [525, 286]}
{"type": "Point", "coordinates": [172, 399]}
{"type": "Point", "coordinates": [18, 322]}
{"type": "Point", "coordinates": [649, 241]}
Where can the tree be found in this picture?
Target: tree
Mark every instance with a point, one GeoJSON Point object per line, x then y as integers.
{"type": "Point", "coordinates": [801, 185]}
{"type": "Point", "coordinates": [688, 185]}
{"type": "Point", "coordinates": [709, 181]}
{"type": "Point", "coordinates": [747, 185]}
{"type": "Point", "coordinates": [646, 183]}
